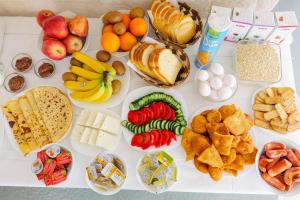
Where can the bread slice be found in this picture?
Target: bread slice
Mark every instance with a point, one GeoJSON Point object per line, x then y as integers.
{"type": "Point", "coordinates": [133, 49]}
{"type": "Point", "coordinates": [154, 4]}
{"type": "Point", "coordinates": [152, 62]}
{"type": "Point", "coordinates": [142, 58]}
{"type": "Point", "coordinates": [186, 30]}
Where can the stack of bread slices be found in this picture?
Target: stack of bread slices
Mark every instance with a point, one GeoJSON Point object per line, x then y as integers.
{"type": "Point", "coordinates": [158, 63]}
{"type": "Point", "coordinates": [171, 22]}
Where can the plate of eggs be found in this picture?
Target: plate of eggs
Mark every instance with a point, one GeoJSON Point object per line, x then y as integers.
{"type": "Point", "coordinates": [213, 83]}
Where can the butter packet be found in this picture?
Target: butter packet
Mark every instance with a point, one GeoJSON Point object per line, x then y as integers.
{"type": "Point", "coordinates": [112, 172]}
{"type": "Point", "coordinates": [104, 159]}
{"type": "Point", "coordinates": [164, 158]}
{"type": "Point", "coordinates": [92, 173]}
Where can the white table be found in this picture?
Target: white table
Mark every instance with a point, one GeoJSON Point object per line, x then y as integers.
{"type": "Point", "coordinates": [22, 35]}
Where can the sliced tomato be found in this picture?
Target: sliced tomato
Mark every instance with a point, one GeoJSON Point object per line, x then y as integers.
{"type": "Point", "coordinates": [161, 138]}
{"type": "Point", "coordinates": [170, 133]}
{"type": "Point", "coordinates": [162, 110]}
{"type": "Point", "coordinates": [156, 137]}
{"type": "Point", "coordinates": [173, 136]}
{"type": "Point", "coordinates": [147, 141]}
{"type": "Point", "coordinates": [169, 112]}
{"type": "Point", "coordinates": [137, 140]}
{"type": "Point", "coordinates": [156, 110]}
{"type": "Point", "coordinates": [166, 136]}
{"type": "Point", "coordinates": [150, 113]}
{"type": "Point", "coordinates": [173, 117]}
{"type": "Point", "coordinates": [133, 117]}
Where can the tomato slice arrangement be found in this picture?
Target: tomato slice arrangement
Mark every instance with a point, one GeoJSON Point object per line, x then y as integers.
{"type": "Point", "coordinates": [157, 110]}
{"type": "Point", "coordinates": [156, 138]}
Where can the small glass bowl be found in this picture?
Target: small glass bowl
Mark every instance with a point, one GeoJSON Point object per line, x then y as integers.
{"type": "Point", "coordinates": [19, 56]}
{"type": "Point", "coordinates": [39, 63]}
{"type": "Point", "coordinates": [6, 81]}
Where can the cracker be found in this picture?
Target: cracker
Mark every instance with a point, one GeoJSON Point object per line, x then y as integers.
{"type": "Point", "coordinates": [263, 107]}
{"type": "Point", "coordinates": [273, 100]}
{"type": "Point", "coordinates": [279, 129]}
{"type": "Point", "coordinates": [294, 127]}
{"type": "Point", "coordinates": [270, 92]}
{"type": "Point", "coordinates": [262, 124]}
{"type": "Point", "coordinates": [270, 115]}
{"type": "Point", "coordinates": [292, 117]}
{"type": "Point", "coordinates": [259, 115]}
{"type": "Point", "coordinates": [282, 114]}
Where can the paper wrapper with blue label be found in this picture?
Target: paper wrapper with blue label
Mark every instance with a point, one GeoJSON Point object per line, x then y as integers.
{"type": "Point", "coordinates": [216, 29]}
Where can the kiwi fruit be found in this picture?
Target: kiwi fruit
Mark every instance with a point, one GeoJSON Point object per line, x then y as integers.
{"type": "Point", "coordinates": [114, 17]}
{"type": "Point", "coordinates": [119, 28]}
{"type": "Point", "coordinates": [116, 86]}
{"type": "Point", "coordinates": [105, 19]}
{"type": "Point", "coordinates": [119, 67]}
{"type": "Point", "coordinates": [103, 56]}
{"type": "Point", "coordinates": [69, 76]}
{"type": "Point", "coordinates": [75, 62]}
{"type": "Point", "coordinates": [137, 12]}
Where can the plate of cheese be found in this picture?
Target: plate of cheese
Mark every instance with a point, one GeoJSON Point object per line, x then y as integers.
{"type": "Point", "coordinates": [96, 131]}
{"type": "Point", "coordinates": [37, 117]}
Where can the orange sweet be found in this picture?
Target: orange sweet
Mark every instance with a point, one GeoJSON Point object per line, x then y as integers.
{"type": "Point", "coordinates": [127, 41]}
{"type": "Point", "coordinates": [107, 28]}
{"type": "Point", "coordinates": [126, 20]}
{"type": "Point", "coordinates": [110, 42]}
{"type": "Point", "coordinates": [138, 26]}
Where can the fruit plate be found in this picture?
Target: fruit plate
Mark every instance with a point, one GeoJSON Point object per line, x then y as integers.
{"type": "Point", "coordinates": [68, 14]}
{"type": "Point", "coordinates": [247, 168]}
{"type": "Point", "coordinates": [115, 99]}
{"type": "Point", "coordinates": [10, 135]}
{"type": "Point", "coordinates": [269, 131]}
{"type": "Point", "coordinates": [140, 92]}
{"type": "Point", "coordinates": [139, 39]}
{"type": "Point", "coordinates": [89, 150]}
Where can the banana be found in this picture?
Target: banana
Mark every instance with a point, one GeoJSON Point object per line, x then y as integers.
{"type": "Point", "coordinates": [85, 73]}
{"type": "Point", "coordinates": [94, 64]}
{"type": "Point", "coordinates": [106, 95]}
{"type": "Point", "coordinates": [80, 79]}
{"type": "Point", "coordinates": [91, 95]}
{"type": "Point", "coordinates": [82, 86]}
{"type": "Point", "coordinates": [85, 66]}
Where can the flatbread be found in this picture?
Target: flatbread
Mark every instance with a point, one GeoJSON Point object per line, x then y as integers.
{"type": "Point", "coordinates": [56, 110]}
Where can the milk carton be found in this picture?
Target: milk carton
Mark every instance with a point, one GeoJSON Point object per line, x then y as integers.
{"type": "Point", "coordinates": [286, 23]}
{"type": "Point", "coordinates": [242, 20]}
{"type": "Point", "coordinates": [263, 25]}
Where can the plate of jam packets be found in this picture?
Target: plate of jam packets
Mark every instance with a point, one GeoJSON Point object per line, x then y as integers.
{"type": "Point", "coordinates": [106, 174]}
{"type": "Point", "coordinates": [53, 164]}
{"type": "Point", "coordinates": [157, 172]}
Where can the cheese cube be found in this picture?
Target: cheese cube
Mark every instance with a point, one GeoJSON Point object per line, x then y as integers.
{"type": "Point", "coordinates": [111, 125]}
{"type": "Point", "coordinates": [91, 119]}
{"type": "Point", "coordinates": [86, 135]}
{"type": "Point", "coordinates": [77, 132]}
{"type": "Point", "coordinates": [93, 137]}
{"type": "Point", "coordinates": [83, 117]}
{"type": "Point", "coordinates": [106, 140]}
{"type": "Point", "coordinates": [98, 121]}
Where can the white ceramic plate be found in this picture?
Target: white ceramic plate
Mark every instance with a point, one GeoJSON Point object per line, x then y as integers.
{"type": "Point", "coordinates": [92, 150]}
{"type": "Point", "coordinates": [109, 192]}
{"type": "Point", "coordinates": [251, 133]}
{"type": "Point", "coordinates": [10, 135]}
{"type": "Point", "coordinates": [269, 131]}
{"type": "Point", "coordinates": [68, 14]}
{"type": "Point", "coordinates": [115, 99]}
{"type": "Point", "coordinates": [140, 92]}
{"type": "Point", "coordinates": [122, 53]}
{"type": "Point", "coordinates": [289, 144]}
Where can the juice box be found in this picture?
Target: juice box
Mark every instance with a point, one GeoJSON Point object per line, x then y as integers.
{"type": "Point", "coordinates": [242, 20]}
{"type": "Point", "coordinates": [264, 24]}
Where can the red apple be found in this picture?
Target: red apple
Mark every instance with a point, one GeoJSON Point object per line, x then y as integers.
{"type": "Point", "coordinates": [72, 43]}
{"type": "Point", "coordinates": [43, 15]}
{"type": "Point", "coordinates": [79, 26]}
{"type": "Point", "coordinates": [54, 49]}
{"type": "Point", "coordinates": [56, 27]}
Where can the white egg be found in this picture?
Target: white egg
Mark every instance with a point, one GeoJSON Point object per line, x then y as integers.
{"type": "Point", "coordinates": [214, 95]}
{"type": "Point", "coordinates": [210, 75]}
{"type": "Point", "coordinates": [216, 69]}
{"type": "Point", "coordinates": [225, 93]}
{"type": "Point", "coordinates": [203, 75]}
{"type": "Point", "coordinates": [229, 80]}
{"type": "Point", "coordinates": [204, 89]}
{"type": "Point", "coordinates": [216, 83]}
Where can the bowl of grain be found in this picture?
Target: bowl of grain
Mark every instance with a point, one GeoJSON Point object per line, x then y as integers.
{"type": "Point", "coordinates": [258, 62]}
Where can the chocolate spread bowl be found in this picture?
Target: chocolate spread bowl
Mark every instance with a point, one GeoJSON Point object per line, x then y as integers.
{"type": "Point", "coordinates": [44, 68]}
{"type": "Point", "coordinates": [22, 62]}
{"type": "Point", "coordinates": [14, 82]}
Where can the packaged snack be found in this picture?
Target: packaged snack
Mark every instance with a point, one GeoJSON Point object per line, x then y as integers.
{"type": "Point", "coordinates": [49, 167]}
{"type": "Point", "coordinates": [103, 159]}
{"type": "Point", "coordinates": [112, 172]}
{"type": "Point", "coordinates": [92, 173]}
{"type": "Point", "coordinates": [37, 166]}
{"type": "Point", "coordinates": [53, 151]}
{"type": "Point", "coordinates": [64, 158]}
{"type": "Point", "coordinates": [42, 156]}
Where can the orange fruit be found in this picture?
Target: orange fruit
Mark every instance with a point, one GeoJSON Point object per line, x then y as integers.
{"type": "Point", "coordinates": [127, 41]}
{"type": "Point", "coordinates": [110, 42]}
{"type": "Point", "coordinates": [107, 28]}
{"type": "Point", "coordinates": [126, 20]}
{"type": "Point", "coordinates": [138, 26]}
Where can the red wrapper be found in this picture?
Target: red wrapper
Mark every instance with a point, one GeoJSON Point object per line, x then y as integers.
{"type": "Point", "coordinates": [48, 180]}
{"type": "Point", "coordinates": [64, 158]}
{"type": "Point", "coordinates": [42, 156]}
{"type": "Point", "coordinates": [49, 167]}
{"type": "Point", "coordinates": [40, 176]}
{"type": "Point", "coordinates": [59, 176]}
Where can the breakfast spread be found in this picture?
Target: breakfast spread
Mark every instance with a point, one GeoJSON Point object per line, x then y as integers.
{"type": "Point", "coordinates": [14, 82]}
{"type": "Point", "coordinates": [220, 141]}
{"type": "Point", "coordinates": [97, 129]}
{"type": "Point", "coordinates": [171, 22]}
{"type": "Point", "coordinates": [279, 166]}
{"type": "Point", "coordinates": [44, 68]}
{"type": "Point", "coordinates": [52, 165]}
{"type": "Point", "coordinates": [106, 172]}
{"type": "Point", "coordinates": [215, 84]}
{"type": "Point", "coordinates": [257, 62]}
{"type": "Point", "coordinates": [157, 62]}
{"type": "Point", "coordinates": [41, 116]}
{"type": "Point", "coordinates": [157, 171]}
{"type": "Point", "coordinates": [121, 31]}
{"type": "Point", "coordinates": [22, 62]}
{"type": "Point", "coordinates": [275, 108]}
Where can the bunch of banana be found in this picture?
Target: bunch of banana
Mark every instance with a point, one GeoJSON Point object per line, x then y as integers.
{"type": "Point", "coordinates": [94, 79]}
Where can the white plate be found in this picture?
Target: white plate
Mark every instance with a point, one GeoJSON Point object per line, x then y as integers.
{"type": "Point", "coordinates": [247, 168]}
{"type": "Point", "coordinates": [68, 14]}
{"type": "Point", "coordinates": [92, 150]}
{"type": "Point", "coordinates": [115, 99]}
{"type": "Point", "coordinates": [10, 135]}
{"type": "Point", "coordinates": [1, 129]}
{"type": "Point", "coordinates": [269, 131]}
{"type": "Point", "coordinates": [140, 92]}
{"type": "Point", "coordinates": [122, 53]}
